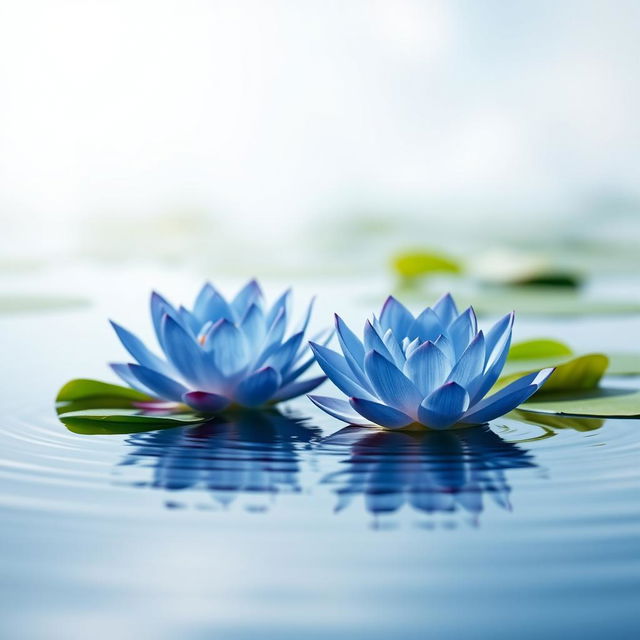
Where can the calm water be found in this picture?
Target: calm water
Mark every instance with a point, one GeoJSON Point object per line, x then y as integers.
{"type": "Point", "coordinates": [291, 525]}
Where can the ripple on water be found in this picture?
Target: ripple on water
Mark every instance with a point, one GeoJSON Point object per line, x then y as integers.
{"type": "Point", "coordinates": [45, 467]}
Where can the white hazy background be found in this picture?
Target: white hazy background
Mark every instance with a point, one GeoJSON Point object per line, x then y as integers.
{"type": "Point", "coordinates": [131, 125]}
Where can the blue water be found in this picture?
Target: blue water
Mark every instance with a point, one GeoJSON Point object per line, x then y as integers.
{"type": "Point", "coordinates": [291, 525]}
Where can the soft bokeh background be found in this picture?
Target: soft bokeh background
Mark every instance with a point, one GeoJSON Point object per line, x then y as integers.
{"type": "Point", "coordinates": [272, 135]}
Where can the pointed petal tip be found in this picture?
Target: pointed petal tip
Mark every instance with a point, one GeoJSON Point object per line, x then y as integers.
{"type": "Point", "coordinates": [118, 365]}
{"type": "Point", "coordinates": [268, 368]}
{"type": "Point", "coordinates": [543, 376]}
{"type": "Point", "coordinates": [445, 296]}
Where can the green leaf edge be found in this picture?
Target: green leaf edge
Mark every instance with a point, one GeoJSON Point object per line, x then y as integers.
{"type": "Point", "coordinates": [538, 348]}
{"type": "Point", "coordinates": [85, 388]}
{"type": "Point", "coordinates": [598, 361]}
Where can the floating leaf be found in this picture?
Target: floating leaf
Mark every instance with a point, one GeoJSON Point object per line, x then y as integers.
{"type": "Point", "coordinates": [415, 264]}
{"type": "Point", "coordinates": [624, 364]}
{"type": "Point", "coordinates": [559, 421]}
{"type": "Point", "coordinates": [513, 368]}
{"type": "Point", "coordinates": [539, 348]}
{"type": "Point", "coordinates": [584, 372]}
{"type": "Point", "coordinates": [95, 407]}
{"type": "Point", "coordinates": [598, 403]}
{"type": "Point", "coordinates": [97, 422]}
{"type": "Point", "coordinates": [551, 279]}
{"type": "Point", "coordinates": [84, 388]}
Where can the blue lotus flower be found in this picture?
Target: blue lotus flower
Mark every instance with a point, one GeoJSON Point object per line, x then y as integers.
{"type": "Point", "coordinates": [221, 354]}
{"type": "Point", "coordinates": [432, 370]}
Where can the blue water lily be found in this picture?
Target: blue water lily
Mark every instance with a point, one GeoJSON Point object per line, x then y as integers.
{"type": "Point", "coordinates": [221, 353]}
{"type": "Point", "coordinates": [432, 370]}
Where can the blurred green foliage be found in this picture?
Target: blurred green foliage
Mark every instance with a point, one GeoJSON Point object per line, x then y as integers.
{"type": "Point", "coordinates": [416, 264]}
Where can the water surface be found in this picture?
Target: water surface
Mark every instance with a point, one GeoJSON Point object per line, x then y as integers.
{"type": "Point", "coordinates": [290, 524]}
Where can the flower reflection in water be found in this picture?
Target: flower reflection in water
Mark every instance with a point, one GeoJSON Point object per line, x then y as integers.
{"type": "Point", "coordinates": [433, 472]}
{"type": "Point", "coordinates": [252, 453]}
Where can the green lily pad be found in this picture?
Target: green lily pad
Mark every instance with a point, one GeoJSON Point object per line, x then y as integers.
{"type": "Point", "coordinates": [416, 264]}
{"type": "Point", "coordinates": [85, 388]}
{"type": "Point", "coordinates": [94, 407]}
{"type": "Point", "coordinates": [597, 403]}
{"type": "Point", "coordinates": [551, 279]}
{"type": "Point", "coordinates": [97, 422]}
{"type": "Point", "coordinates": [515, 368]}
{"type": "Point", "coordinates": [538, 348]}
{"type": "Point", "coordinates": [584, 372]}
{"type": "Point", "coordinates": [559, 421]}
{"type": "Point", "coordinates": [624, 364]}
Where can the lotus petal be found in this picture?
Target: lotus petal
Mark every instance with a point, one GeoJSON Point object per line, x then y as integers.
{"type": "Point", "coordinates": [391, 385]}
{"type": "Point", "coordinates": [160, 385]}
{"type": "Point", "coordinates": [462, 330]}
{"type": "Point", "coordinates": [184, 353]}
{"type": "Point", "coordinates": [507, 398]}
{"type": "Point", "coordinates": [295, 389]}
{"type": "Point", "coordinates": [304, 324]}
{"type": "Point", "coordinates": [123, 371]}
{"type": "Point", "coordinates": [250, 294]}
{"type": "Point", "coordinates": [427, 367]}
{"type": "Point", "coordinates": [258, 388]}
{"type": "Point", "coordinates": [189, 321]}
{"type": "Point", "coordinates": [159, 308]}
{"type": "Point", "coordinates": [286, 352]}
{"type": "Point", "coordinates": [253, 326]}
{"type": "Point", "coordinates": [280, 306]}
{"type": "Point", "coordinates": [445, 308]}
{"type": "Point", "coordinates": [205, 402]}
{"type": "Point", "coordinates": [202, 300]}
{"type": "Point", "coordinates": [339, 409]}
{"type": "Point", "coordinates": [394, 348]}
{"type": "Point", "coordinates": [230, 352]}
{"type": "Point", "coordinates": [381, 414]}
{"type": "Point", "coordinates": [374, 342]}
{"type": "Point", "coordinates": [395, 316]}
{"type": "Point", "coordinates": [470, 364]}
{"type": "Point", "coordinates": [337, 369]}
{"type": "Point", "coordinates": [139, 351]}
{"type": "Point", "coordinates": [352, 348]}
{"type": "Point", "coordinates": [217, 308]}
{"type": "Point", "coordinates": [427, 326]}
{"type": "Point", "coordinates": [444, 407]}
